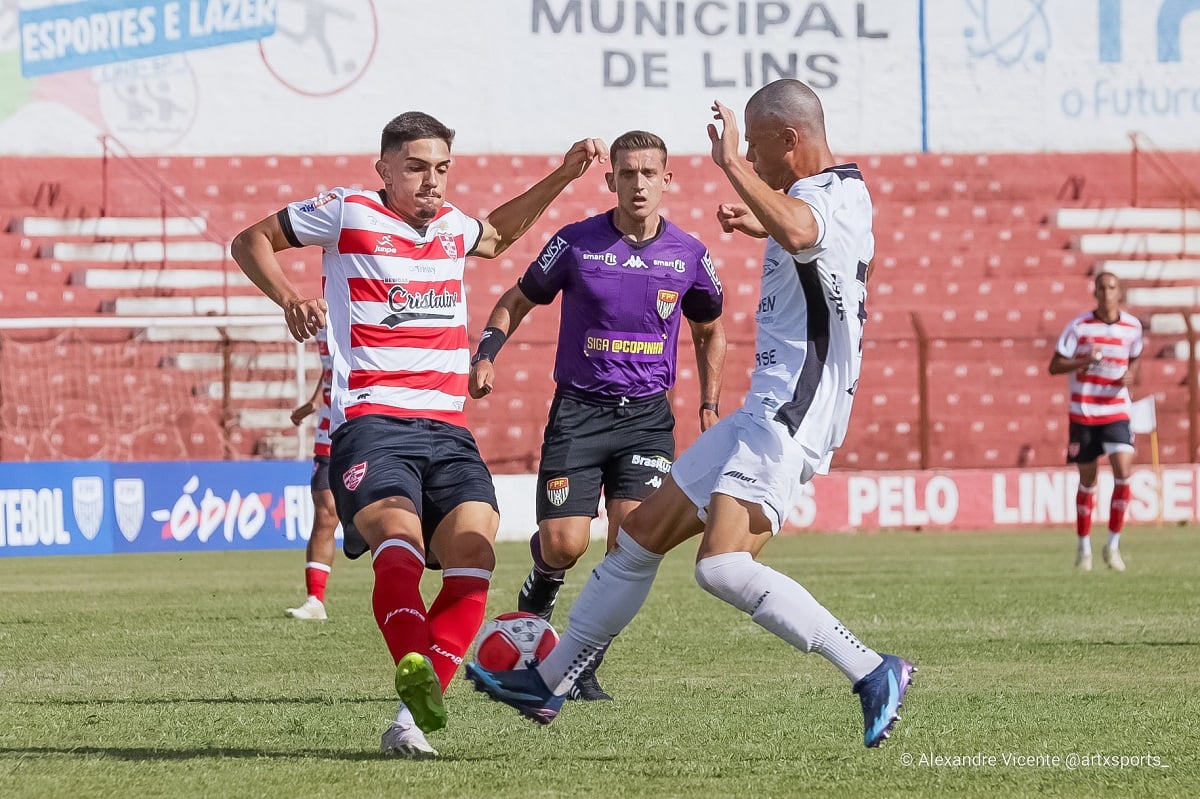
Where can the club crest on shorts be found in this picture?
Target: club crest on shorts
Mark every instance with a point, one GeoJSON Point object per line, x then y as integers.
{"type": "Point", "coordinates": [353, 476]}
{"type": "Point", "coordinates": [557, 490]}
{"type": "Point", "coordinates": [667, 300]}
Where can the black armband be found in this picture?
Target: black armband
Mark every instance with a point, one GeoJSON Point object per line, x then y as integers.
{"type": "Point", "coordinates": [490, 342]}
{"type": "Point", "coordinates": [709, 406]}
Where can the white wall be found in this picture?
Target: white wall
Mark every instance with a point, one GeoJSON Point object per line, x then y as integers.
{"type": "Point", "coordinates": [525, 76]}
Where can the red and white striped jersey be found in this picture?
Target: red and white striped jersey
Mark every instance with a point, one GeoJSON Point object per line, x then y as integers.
{"type": "Point", "coordinates": [1097, 395]}
{"type": "Point", "coordinates": [397, 305]}
{"type": "Point", "coordinates": [321, 439]}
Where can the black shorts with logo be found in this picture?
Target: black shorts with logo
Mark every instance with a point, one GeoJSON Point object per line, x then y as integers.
{"type": "Point", "coordinates": [624, 446]}
{"type": "Point", "coordinates": [320, 474]}
{"type": "Point", "coordinates": [433, 464]}
{"type": "Point", "coordinates": [1086, 441]}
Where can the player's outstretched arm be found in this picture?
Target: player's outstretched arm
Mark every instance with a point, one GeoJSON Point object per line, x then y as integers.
{"type": "Point", "coordinates": [787, 220]}
{"type": "Point", "coordinates": [709, 340]}
{"type": "Point", "coordinates": [501, 325]}
{"type": "Point", "coordinates": [254, 251]}
{"type": "Point", "coordinates": [509, 222]}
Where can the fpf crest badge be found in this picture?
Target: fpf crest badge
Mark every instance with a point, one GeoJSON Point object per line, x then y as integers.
{"type": "Point", "coordinates": [87, 499]}
{"type": "Point", "coordinates": [667, 300]}
{"type": "Point", "coordinates": [129, 499]}
{"type": "Point", "coordinates": [557, 490]}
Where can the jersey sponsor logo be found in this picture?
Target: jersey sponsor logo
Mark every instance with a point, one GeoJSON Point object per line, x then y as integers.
{"type": "Point", "coordinates": [320, 200]}
{"type": "Point", "coordinates": [667, 300]}
{"type": "Point", "coordinates": [384, 245]}
{"type": "Point", "coordinates": [679, 265]}
{"type": "Point", "coordinates": [653, 461]}
{"type": "Point", "coordinates": [87, 500]}
{"type": "Point", "coordinates": [635, 262]}
{"type": "Point", "coordinates": [352, 478]}
{"type": "Point", "coordinates": [624, 346]}
{"type": "Point", "coordinates": [557, 490]}
{"type": "Point", "coordinates": [407, 306]}
{"type": "Point", "coordinates": [609, 259]}
{"type": "Point", "coordinates": [736, 475]}
{"type": "Point", "coordinates": [766, 305]}
{"type": "Point", "coordinates": [551, 252]}
{"type": "Point", "coordinates": [711, 270]}
{"type": "Point", "coordinates": [129, 499]}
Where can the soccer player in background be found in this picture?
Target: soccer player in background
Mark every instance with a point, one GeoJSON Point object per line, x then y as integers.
{"type": "Point", "coordinates": [736, 485]}
{"type": "Point", "coordinates": [626, 276]}
{"type": "Point", "coordinates": [1099, 351]}
{"type": "Point", "coordinates": [318, 553]}
{"type": "Point", "coordinates": [408, 481]}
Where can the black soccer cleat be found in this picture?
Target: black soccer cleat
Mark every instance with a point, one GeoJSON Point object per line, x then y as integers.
{"type": "Point", "coordinates": [587, 688]}
{"type": "Point", "coordinates": [538, 594]}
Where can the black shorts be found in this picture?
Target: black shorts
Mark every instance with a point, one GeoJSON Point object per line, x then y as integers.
{"type": "Point", "coordinates": [320, 474]}
{"type": "Point", "coordinates": [1087, 440]}
{"type": "Point", "coordinates": [626, 448]}
{"type": "Point", "coordinates": [434, 465]}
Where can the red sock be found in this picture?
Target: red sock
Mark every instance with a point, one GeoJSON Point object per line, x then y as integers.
{"type": "Point", "coordinates": [1085, 500]}
{"type": "Point", "coordinates": [316, 577]}
{"type": "Point", "coordinates": [1120, 501]}
{"type": "Point", "coordinates": [455, 618]}
{"type": "Point", "coordinates": [399, 608]}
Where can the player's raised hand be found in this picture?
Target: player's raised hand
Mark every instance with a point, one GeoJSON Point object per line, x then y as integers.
{"type": "Point", "coordinates": [305, 317]}
{"type": "Point", "coordinates": [483, 375]}
{"type": "Point", "coordinates": [582, 154]}
{"type": "Point", "coordinates": [737, 217]}
{"type": "Point", "coordinates": [724, 141]}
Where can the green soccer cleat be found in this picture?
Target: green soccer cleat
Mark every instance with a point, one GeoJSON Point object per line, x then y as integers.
{"type": "Point", "coordinates": [421, 691]}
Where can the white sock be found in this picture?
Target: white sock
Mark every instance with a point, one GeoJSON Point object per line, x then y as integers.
{"type": "Point", "coordinates": [781, 605]}
{"type": "Point", "coordinates": [1085, 544]}
{"type": "Point", "coordinates": [611, 598]}
{"type": "Point", "coordinates": [404, 716]}
{"type": "Point", "coordinates": [1114, 539]}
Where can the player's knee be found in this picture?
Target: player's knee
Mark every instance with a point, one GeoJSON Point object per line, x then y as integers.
{"type": "Point", "coordinates": [562, 545]}
{"type": "Point", "coordinates": [728, 577]}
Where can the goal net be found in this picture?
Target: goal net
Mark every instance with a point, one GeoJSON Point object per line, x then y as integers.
{"type": "Point", "coordinates": [191, 388]}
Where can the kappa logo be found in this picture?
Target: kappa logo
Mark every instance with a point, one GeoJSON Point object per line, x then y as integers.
{"type": "Point", "coordinates": [736, 475]}
{"type": "Point", "coordinates": [384, 245]}
{"type": "Point", "coordinates": [557, 490]}
{"type": "Point", "coordinates": [353, 476]}
{"type": "Point", "coordinates": [87, 499]}
{"type": "Point", "coordinates": [654, 482]}
{"type": "Point", "coordinates": [635, 262]}
{"type": "Point", "coordinates": [667, 300]}
{"type": "Point", "coordinates": [129, 500]}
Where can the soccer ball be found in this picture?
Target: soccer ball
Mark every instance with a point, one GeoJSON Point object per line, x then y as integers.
{"type": "Point", "coordinates": [512, 640]}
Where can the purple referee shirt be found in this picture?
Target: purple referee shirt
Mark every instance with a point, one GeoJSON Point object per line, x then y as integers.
{"type": "Point", "coordinates": [622, 302]}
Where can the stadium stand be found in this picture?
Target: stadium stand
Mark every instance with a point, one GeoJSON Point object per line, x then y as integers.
{"type": "Point", "coordinates": [981, 260]}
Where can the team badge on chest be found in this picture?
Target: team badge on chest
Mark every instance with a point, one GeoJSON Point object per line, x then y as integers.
{"type": "Point", "coordinates": [667, 300]}
{"type": "Point", "coordinates": [557, 490]}
{"type": "Point", "coordinates": [448, 244]}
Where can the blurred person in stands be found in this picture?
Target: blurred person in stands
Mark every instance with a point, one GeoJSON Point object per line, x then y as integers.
{"type": "Point", "coordinates": [737, 484]}
{"type": "Point", "coordinates": [1099, 352]}
{"type": "Point", "coordinates": [408, 481]}
{"type": "Point", "coordinates": [318, 553]}
{"type": "Point", "coordinates": [627, 276]}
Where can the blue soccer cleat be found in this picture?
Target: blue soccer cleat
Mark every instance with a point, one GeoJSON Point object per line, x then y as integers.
{"type": "Point", "coordinates": [522, 689]}
{"type": "Point", "coordinates": [882, 695]}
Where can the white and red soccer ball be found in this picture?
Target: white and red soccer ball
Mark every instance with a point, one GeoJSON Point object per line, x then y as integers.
{"type": "Point", "coordinates": [512, 640]}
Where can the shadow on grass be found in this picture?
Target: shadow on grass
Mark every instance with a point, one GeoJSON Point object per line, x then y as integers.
{"type": "Point", "coordinates": [208, 700]}
{"type": "Point", "coordinates": [143, 754]}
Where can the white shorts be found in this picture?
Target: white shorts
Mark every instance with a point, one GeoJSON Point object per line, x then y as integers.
{"type": "Point", "coordinates": [749, 458]}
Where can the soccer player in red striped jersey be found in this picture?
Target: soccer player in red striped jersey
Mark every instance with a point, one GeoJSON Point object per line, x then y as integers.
{"type": "Point", "coordinates": [1099, 351]}
{"type": "Point", "coordinates": [407, 477]}
{"type": "Point", "coordinates": [318, 553]}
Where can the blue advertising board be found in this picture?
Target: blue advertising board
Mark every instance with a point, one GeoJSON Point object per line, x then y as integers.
{"type": "Point", "coordinates": [98, 507]}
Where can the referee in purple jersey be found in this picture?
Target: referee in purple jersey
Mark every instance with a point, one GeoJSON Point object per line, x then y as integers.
{"type": "Point", "coordinates": [626, 276]}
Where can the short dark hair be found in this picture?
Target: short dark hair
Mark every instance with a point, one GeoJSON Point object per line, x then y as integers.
{"type": "Point", "coordinates": [411, 126]}
{"type": "Point", "coordinates": [638, 140]}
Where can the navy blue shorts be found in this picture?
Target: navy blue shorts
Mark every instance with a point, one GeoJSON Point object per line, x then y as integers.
{"type": "Point", "coordinates": [1086, 441]}
{"type": "Point", "coordinates": [434, 465]}
{"type": "Point", "coordinates": [626, 449]}
{"type": "Point", "coordinates": [320, 474]}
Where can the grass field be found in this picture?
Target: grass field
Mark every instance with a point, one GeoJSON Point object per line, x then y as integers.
{"type": "Point", "coordinates": [179, 676]}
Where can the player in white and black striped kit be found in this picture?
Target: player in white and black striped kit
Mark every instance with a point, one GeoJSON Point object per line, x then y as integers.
{"type": "Point", "coordinates": [738, 482]}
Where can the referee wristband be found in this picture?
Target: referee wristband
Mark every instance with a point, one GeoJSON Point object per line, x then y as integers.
{"type": "Point", "coordinates": [490, 342]}
{"type": "Point", "coordinates": [709, 406]}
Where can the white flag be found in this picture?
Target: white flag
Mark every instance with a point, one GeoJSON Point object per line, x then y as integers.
{"type": "Point", "coordinates": [1141, 416]}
